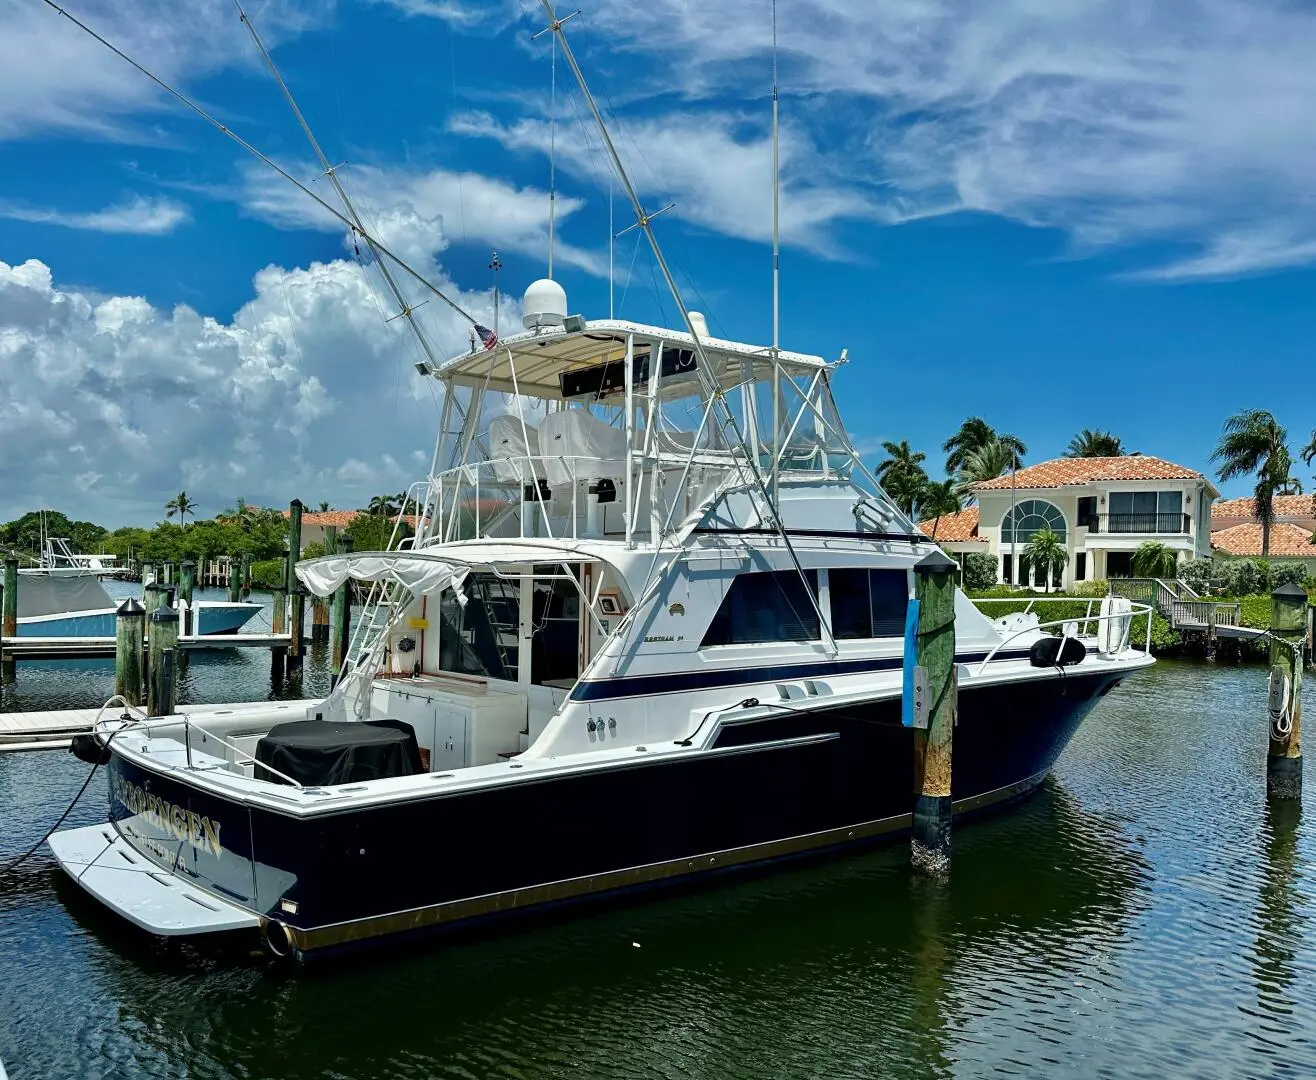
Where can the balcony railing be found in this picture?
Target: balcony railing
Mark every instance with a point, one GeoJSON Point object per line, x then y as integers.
{"type": "Point", "coordinates": [1162, 524]}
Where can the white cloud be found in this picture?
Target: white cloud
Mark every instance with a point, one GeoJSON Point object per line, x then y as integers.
{"type": "Point", "coordinates": [304, 384]}
{"type": "Point", "coordinates": [1191, 122]}
{"type": "Point", "coordinates": [56, 76]}
{"type": "Point", "coordinates": [142, 216]}
{"type": "Point", "coordinates": [719, 175]}
{"type": "Point", "coordinates": [417, 214]}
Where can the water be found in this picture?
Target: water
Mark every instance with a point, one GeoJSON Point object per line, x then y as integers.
{"type": "Point", "coordinates": [1144, 915]}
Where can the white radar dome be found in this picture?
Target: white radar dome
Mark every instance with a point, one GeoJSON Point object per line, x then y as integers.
{"type": "Point", "coordinates": [700, 324]}
{"type": "Point", "coordinates": [544, 304]}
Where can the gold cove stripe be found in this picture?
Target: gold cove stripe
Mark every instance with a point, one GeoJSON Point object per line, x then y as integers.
{"type": "Point", "coordinates": [454, 911]}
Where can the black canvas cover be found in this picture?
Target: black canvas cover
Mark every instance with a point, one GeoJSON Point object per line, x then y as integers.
{"type": "Point", "coordinates": [317, 753]}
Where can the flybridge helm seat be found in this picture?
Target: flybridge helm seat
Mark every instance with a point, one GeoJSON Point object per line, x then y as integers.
{"type": "Point", "coordinates": [577, 444]}
{"type": "Point", "coordinates": [510, 444]}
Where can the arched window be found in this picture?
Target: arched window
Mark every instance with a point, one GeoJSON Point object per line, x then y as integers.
{"type": "Point", "coordinates": [1029, 517]}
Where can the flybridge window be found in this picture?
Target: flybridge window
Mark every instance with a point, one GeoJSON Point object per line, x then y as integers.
{"type": "Point", "coordinates": [868, 603]}
{"type": "Point", "coordinates": [770, 606]}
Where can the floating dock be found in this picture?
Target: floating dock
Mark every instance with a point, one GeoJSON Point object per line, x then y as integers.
{"type": "Point", "coordinates": [54, 730]}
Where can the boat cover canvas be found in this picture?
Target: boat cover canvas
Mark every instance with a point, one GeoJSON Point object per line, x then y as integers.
{"type": "Point", "coordinates": [316, 753]}
{"type": "Point", "coordinates": [56, 594]}
{"type": "Point", "coordinates": [419, 573]}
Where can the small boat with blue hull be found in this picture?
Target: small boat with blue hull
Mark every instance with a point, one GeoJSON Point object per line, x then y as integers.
{"type": "Point", "coordinates": [61, 603]}
{"type": "Point", "coordinates": [638, 669]}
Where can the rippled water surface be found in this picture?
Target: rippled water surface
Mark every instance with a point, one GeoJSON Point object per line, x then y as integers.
{"type": "Point", "coordinates": [1143, 915]}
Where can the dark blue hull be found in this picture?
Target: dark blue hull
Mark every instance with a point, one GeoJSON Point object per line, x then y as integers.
{"type": "Point", "coordinates": [789, 785]}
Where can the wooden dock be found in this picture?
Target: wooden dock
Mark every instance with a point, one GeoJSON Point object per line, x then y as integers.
{"type": "Point", "coordinates": [94, 648]}
{"type": "Point", "coordinates": [53, 730]}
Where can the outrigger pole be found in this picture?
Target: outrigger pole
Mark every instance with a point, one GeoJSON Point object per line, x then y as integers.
{"type": "Point", "coordinates": [716, 397]}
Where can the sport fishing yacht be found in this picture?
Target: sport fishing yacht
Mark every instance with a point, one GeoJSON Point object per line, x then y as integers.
{"type": "Point", "coordinates": [69, 601]}
{"type": "Point", "coordinates": [652, 628]}
{"type": "Point", "coordinates": [626, 647]}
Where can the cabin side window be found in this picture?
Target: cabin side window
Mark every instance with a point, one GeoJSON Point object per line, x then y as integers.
{"type": "Point", "coordinates": [480, 638]}
{"type": "Point", "coordinates": [766, 606]}
{"type": "Point", "coordinates": [868, 603]}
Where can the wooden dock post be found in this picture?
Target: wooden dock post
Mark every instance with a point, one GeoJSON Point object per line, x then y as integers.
{"type": "Point", "coordinates": [162, 649]}
{"type": "Point", "coordinates": [151, 594]}
{"type": "Point", "coordinates": [342, 621]}
{"type": "Point", "coordinates": [234, 580]}
{"type": "Point", "coordinates": [130, 631]}
{"type": "Point", "coordinates": [1288, 627]}
{"type": "Point", "coordinates": [934, 704]}
{"type": "Point", "coordinates": [279, 619]}
{"type": "Point", "coordinates": [296, 628]}
{"type": "Point", "coordinates": [186, 587]}
{"type": "Point", "coordinates": [9, 620]}
{"type": "Point", "coordinates": [245, 593]}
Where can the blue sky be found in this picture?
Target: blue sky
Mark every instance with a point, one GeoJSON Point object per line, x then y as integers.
{"type": "Point", "coordinates": [1060, 216]}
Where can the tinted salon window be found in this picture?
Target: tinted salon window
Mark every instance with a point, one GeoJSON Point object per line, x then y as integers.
{"type": "Point", "coordinates": [868, 603]}
{"type": "Point", "coordinates": [762, 607]}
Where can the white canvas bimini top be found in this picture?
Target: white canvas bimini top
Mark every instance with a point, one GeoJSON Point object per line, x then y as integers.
{"type": "Point", "coordinates": [539, 359]}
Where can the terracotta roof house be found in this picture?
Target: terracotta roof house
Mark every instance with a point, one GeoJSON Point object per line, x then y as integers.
{"type": "Point", "coordinates": [1288, 509]}
{"type": "Point", "coordinates": [315, 523]}
{"type": "Point", "coordinates": [1103, 509]}
{"type": "Point", "coordinates": [956, 532]}
{"type": "Point", "coordinates": [1289, 543]}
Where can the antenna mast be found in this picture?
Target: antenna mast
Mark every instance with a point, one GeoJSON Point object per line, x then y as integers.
{"type": "Point", "coordinates": [496, 264]}
{"type": "Point", "coordinates": [776, 270]}
{"type": "Point", "coordinates": [703, 369]}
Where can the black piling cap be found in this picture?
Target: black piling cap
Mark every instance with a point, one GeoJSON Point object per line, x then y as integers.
{"type": "Point", "coordinates": [1291, 591]}
{"type": "Point", "coordinates": [297, 503]}
{"type": "Point", "coordinates": [129, 607]}
{"type": "Point", "coordinates": [935, 562]}
{"type": "Point", "coordinates": [164, 614]}
{"type": "Point", "coordinates": [190, 562]}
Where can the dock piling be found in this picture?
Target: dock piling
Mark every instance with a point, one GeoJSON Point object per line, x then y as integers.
{"type": "Point", "coordinates": [342, 617]}
{"type": "Point", "coordinates": [162, 647]}
{"type": "Point", "coordinates": [9, 620]}
{"type": "Point", "coordinates": [186, 587]}
{"type": "Point", "coordinates": [234, 580]}
{"type": "Point", "coordinates": [934, 709]}
{"type": "Point", "coordinates": [130, 630]}
{"type": "Point", "coordinates": [245, 594]}
{"type": "Point", "coordinates": [1288, 627]}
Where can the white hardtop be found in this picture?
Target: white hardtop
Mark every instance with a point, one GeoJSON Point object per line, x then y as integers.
{"type": "Point", "coordinates": [531, 363]}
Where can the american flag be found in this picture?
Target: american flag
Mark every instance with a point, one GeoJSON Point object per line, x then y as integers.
{"type": "Point", "coordinates": [487, 336]}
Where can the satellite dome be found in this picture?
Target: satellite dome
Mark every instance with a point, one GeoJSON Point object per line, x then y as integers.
{"type": "Point", "coordinates": [544, 304]}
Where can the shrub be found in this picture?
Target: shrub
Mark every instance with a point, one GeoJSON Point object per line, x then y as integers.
{"type": "Point", "coordinates": [1154, 560]}
{"type": "Point", "coordinates": [979, 571]}
{"type": "Point", "coordinates": [1288, 574]}
{"type": "Point", "coordinates": [267, 574]}
{"type": "Point", "coordinates": [1243, 577]}
{"type": "Point", "coordinates": [1197, 575]}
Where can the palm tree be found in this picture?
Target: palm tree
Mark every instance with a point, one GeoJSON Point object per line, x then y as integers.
{"type": "Point", "coordinates": [1098, 443]}
{"type": "Point", "coordinates": [1046, 553]}
{"type": "Point", "coordinates": [1153, 560]}
{"type": "Point", "coordinates": [1309, 451]}
{"type": "Point", "coordinates": [939, 499]}
{"type": "Point", "coordinates": [325, 507]}
{"type": "Point", "coordinates": [1253, 442]}
{"type": "Point", "coordinates": [181, 505]}
{"type": "Point", "coordinates": [901, 474]}
{"type": "Point", "coordinates": [985, 463]}
{"type": "Point", "coordinates": [974, 434]}
{"type": "Point", "coordinates": [383, 505]}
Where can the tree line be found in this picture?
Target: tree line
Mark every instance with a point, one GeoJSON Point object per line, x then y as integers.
{"type": "Point", "coordinates": [237, 530]}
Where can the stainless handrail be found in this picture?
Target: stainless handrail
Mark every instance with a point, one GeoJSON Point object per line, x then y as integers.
{"type": "Point", "coordinates": [1131, 614]}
